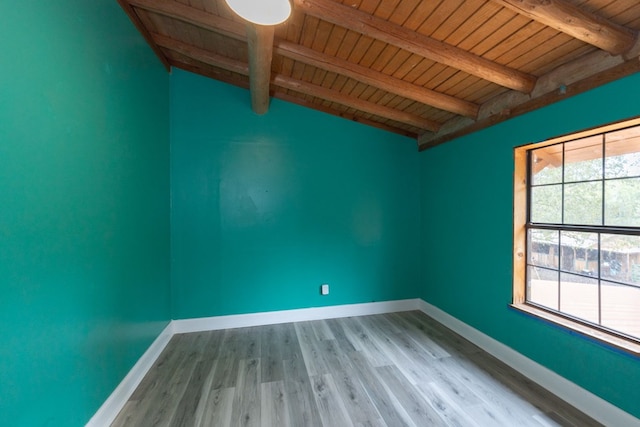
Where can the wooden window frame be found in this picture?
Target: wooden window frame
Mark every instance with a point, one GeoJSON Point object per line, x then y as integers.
{"type": "Point", "coordinates": [520, 205]}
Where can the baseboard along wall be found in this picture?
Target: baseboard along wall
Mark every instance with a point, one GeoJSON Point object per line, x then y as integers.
{"type": "Point", "coordinates": [298, 315]}
{"type": "Point", "coordinates": [592, 405]}
{"type": "Point", "coordinates": [116, 401]}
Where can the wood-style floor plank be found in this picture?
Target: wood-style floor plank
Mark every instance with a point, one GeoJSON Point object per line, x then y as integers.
{"type": "Point", "coordinates": [330, 405]}
{"type": "Point", "coordinates": [399, 369]}
{"type": "Point", "coordinates": [366, 343]}
{"type": "Point", "coordinates": [217, 408]}
{"type": "Point", "coordinates": [185, 414]}
{"type": "Point", "coordinates": [246, 401]}
{"type": "Point", "coordinates": [274, 406]}
{"type": "Point", "coordinates": [303, 410]}
{"type": "Point", "coordinates": [380, 395]}
{"type": "Point", "coordinates": [271, 351]}
{"type": "Point", "coordinates": [408, 396]}
{"type": "Point", "coordinates": [358, 404]}
{"type": "Point", "coordinates": [310, 346]}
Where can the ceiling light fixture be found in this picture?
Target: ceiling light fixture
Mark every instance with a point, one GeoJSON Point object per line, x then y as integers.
{"type": "Point", "coordinates": [262, 12]}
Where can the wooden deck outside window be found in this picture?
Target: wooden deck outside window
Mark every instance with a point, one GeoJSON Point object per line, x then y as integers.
{"type": "Point", "coordinates": [577, 232]}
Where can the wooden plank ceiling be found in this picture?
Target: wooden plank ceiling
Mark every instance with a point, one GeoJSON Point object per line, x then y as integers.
{"type": "Point", "coordinates": [433, 70]}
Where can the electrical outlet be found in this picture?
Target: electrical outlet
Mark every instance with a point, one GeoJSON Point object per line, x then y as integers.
{"type": "Point", "coordinates": [324, 289]}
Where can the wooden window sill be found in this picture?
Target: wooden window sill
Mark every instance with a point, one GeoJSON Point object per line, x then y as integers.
{"type": "Point", "coordinates": [619, 343]}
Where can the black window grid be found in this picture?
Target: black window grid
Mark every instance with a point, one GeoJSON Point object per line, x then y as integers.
{"type": "Point", "coordinates": [599, 230]}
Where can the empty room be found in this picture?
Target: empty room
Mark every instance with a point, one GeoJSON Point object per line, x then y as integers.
{"type": "Point", "coordinates": [320, 213]}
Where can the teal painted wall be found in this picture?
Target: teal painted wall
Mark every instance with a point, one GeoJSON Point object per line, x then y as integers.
{"type": "Point", "coordinates": [84, 207]}
{"type": "Point", "coordinates": [266, 208]}
{"type": "Point", "coordinates": [467, 204]}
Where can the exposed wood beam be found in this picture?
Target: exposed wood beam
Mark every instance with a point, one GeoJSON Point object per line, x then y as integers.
{"type": "Point", "coordinates": [189, 64]}
{"type": "Point", "coordinates": [260, 44]}
{"type": "Point", "coordinates": [202, 55]}
{"type": "Point", "coordinates": [259, 39]}
{"type": "Point", "coordinates": [197, 67]}
{"type": "Point", "coordinates": [576, 22]}
{"type": "Point", "coordinates": [419, 44]}
{"type": "Point", "coordinates": [135, 19]}
{"type": "Point", "coordinates": [202, 69]}
{"type": "Point", "coordinates": [358, 104]}
{"type": "Point", "coordinates": [380, 80]}
{"type": "Point", "coordinates": [319, 107]}
{"type": "Point", "coordinates": [191, 15]}
{"type": "Point", "coordinates": [580, 75]}
{"type": "Point", "coordinates": [376, 78]}
{"type": "Point", "coordinates": [298, 85]}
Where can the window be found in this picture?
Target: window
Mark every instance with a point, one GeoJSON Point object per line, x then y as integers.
{"type": "Point", "coordinates": [577, 232]}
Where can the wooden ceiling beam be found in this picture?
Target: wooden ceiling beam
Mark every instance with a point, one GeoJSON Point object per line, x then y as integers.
{"type": "Point", "coordinates": [352, 102]}
{"type": "Point", "coordinates": [259, 40]}
{"type": "Point", "coordinates": [193, 16]}
{"type": "Point", "coordinates": [576, 22]}
{"type": "Point", "coordinates": [419, 44]}
{"type": "Point", "coordinates": [376, 78]}
{"type": "Point", "coordinates": [285, 96]}
{"type": "Point", "coordinates": [309, 56]}
{"type": "Point", "coordinates": [202, 69]}
{"type": "Point", "coordinates": [197, 67]}
{"type": "Point", "coordinates": [306, 88]}
{"type": "Point", "coordinates": [202, 55]}
{"type": "Point", "coordinates": [260, 45]}
{"type": "Point", "coordinates": [583, 74]}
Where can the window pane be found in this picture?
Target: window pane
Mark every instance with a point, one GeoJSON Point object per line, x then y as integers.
{"type": "Point", "coordinates": [546, 204]}
{"type": "Point", "coordinates": [583, 203]}
{"type": "Point", "coordinates": [542, 287]}
{"type": "Point", "coordinates": [592, 185]}
{"type": "Point", "coordinates": [583, 159]}
{"type": "Point", "coordinates": [543, 248]}
{"type": "Point", "coordinates": [621, 308]}
{"type": "Point", "coordinates": [546, 165]}
{"type": "Point", "coordinates": [579, 252]}
{"type": "Point", "coordinates": [579, 297]}
{"type": "Point", "coordinates": [623, 153]}
{"type": "Point", "coordinates": [622, 202]}
{"type": "Point", "coordinates": [620, 258]}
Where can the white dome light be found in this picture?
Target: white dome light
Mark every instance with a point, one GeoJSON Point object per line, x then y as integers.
{"type": "Point", "coordinates": [263, 12]}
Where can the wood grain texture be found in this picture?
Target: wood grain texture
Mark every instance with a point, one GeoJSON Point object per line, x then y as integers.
{"type": "Point", "coordinates": [296, 85]}
{"type": "Point", "coordinates": [429, 70]}
{"type": "Point", "coordinates": [578, 23]}
{"type": "Point", "coordinates": [515, 105]}
{"type": "Point", "coordinates": [377, 79]}
{"type": "Point", "coordinates": [421, 45]}
{"type": "Point", "coordinates": [519, 222]}
{"type": "Point", "coordinates": [400, 369]}
{"type": "Point", "coordinates": [274, 405]}
{"type": "Point", "coordinates": [356, 103]}
{"type": "Point", "coordinates": [260, 43]}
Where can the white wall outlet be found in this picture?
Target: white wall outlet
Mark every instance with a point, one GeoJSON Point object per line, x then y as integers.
{"type": "Point", "coordinates": [324, 289]}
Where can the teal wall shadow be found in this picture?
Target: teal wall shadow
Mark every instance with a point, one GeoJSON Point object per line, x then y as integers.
{"type": "Point", "coordinates": [267, 208]}
{"type": "Point", "coordinates": [84, 207]}
{"type": "Point", "coordinates": [467, 222]}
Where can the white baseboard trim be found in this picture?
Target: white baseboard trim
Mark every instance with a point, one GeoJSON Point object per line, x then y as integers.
{"type": "Point", "coordinates": [592, 405]}
{"type": "Point", "coordinates": [116, 401]}
{"type": "Point", "coordinates": [298, 315]}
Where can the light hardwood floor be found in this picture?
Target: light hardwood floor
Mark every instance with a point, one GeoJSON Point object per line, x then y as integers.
{"type": "Point", "coordinates": [400, 369]}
